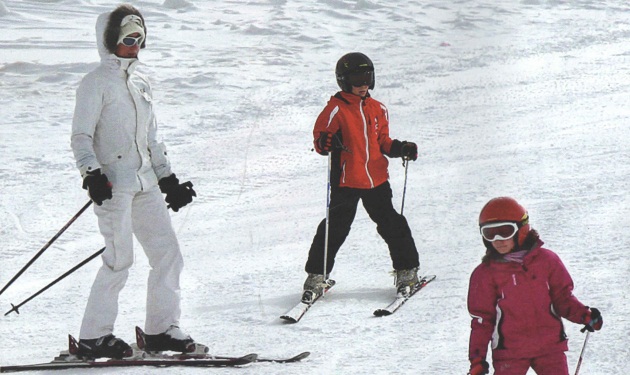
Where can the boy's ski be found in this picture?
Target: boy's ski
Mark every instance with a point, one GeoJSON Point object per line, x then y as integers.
{"type": "Point", "coordinates": [296, 313]}
{"type": "Point", "coordinates": [401, 299]}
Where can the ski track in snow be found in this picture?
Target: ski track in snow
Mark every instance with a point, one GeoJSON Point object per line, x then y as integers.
{"type": "Point", "coordinates": [526, 98]}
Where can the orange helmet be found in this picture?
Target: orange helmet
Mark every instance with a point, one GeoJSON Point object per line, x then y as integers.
{"type": "Point", "coordinates": [506, 209]}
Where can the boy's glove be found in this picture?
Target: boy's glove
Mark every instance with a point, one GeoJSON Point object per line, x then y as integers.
{"type": "Point", "coordinates": [593, 320]}
{"type": "Point", "coordinates": [98, 186]}
{"type": "Point", "coordinates": [409, 151]}
{"type": "Point", "coordinates": [324, 143]}
{"type": "Point", "coordinates": [478, 366]}
{"type": "Point", "coordinates": [327, 142]}
{"type": "Point", "coordinates": [404, 149]}
{"type": "Point", "coordinates": [177, 195]}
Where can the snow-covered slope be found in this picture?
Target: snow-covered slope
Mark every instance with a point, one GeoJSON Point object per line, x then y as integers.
{"type": "Point", "coordinates": [525, 98]}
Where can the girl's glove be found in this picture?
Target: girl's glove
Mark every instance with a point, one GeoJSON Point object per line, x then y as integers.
{"type": "Point", "coordinates": [593, 320]}
{"type": "Point", "coordinates": [478, 366]}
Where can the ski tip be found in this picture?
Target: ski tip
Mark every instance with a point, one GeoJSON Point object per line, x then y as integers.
{"type": "Point", "coordinates": [295, 358]}
{"type": "Point", "coordinates": [288, 319]}
{"type": "Point", "coordinates": [428, 278]}
{"type": "Point", "coordinates": [301, 356]}
{"type": "Point", "coordinates": [382, 312]}
{"type": "Point", "coordinates": [249, 358]}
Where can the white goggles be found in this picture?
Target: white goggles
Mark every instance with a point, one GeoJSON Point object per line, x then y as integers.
{"type": "Point", "coordinates": [498, 231]}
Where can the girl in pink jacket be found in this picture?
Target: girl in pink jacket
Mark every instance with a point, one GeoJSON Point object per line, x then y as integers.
{"type": "Point", "coordinates": [518, 296]}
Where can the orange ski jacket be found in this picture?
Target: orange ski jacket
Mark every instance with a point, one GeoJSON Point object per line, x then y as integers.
{"type": "Point", "coordinates": [362, 125]}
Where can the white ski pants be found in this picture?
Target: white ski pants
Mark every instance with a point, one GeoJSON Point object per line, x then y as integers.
{"type": "Point", "coordinates": [143, 214]}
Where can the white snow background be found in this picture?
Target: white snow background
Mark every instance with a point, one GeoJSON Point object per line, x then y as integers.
{"type": "Point", "coordinates": [522, 98]}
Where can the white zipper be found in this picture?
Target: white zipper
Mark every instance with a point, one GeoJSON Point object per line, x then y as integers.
{"type": "Point", "coordinates": [367, 144]}
{"type": "Point", "coordinates": [135, 138]}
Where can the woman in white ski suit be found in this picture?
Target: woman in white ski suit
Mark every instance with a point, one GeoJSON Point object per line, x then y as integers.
{"type": "Point", "coordinates": [114, 129]}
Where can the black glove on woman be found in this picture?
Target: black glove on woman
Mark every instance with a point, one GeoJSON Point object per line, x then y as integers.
{"type": "Point", "coordinates": [177, 195]}
{"type": "Point", "coordinates": [98, 186]}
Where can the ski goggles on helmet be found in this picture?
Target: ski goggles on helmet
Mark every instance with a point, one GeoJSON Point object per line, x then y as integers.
{"type": "Point", "coordinates": [361, 78]}
{"type": "Point", "coordinates": [498, 231]}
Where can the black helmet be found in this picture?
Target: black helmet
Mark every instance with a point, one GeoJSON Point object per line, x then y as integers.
{"type": "Point", "coordinates": [354, 69]}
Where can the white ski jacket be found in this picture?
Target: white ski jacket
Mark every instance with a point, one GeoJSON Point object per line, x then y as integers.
{"type": "Point", "coordinates": [114, 126]}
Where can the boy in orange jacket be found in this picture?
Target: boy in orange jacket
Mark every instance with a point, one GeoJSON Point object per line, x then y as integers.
{"type": "Point", "coordinates": [354, 127]}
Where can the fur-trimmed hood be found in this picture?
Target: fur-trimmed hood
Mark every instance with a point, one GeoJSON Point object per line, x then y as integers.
{"type": "Point", "coordinates": [101, 25]}
{"type": "Point", "coordinates": [108, 28]}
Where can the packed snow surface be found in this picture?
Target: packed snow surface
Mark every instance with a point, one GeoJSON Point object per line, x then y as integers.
{"type": "Point", "coordinates": [523, 98]}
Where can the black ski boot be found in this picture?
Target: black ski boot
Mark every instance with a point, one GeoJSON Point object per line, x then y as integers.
{"type": "Point", "coordinates": [108, 346]}
{"type": "Point", "coordinates": [173, 339]}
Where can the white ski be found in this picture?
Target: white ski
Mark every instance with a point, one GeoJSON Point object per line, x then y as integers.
{"type": "Point", "coordinates": [297, 312]}
{"type": "Point", "coordinates": [401, 299]}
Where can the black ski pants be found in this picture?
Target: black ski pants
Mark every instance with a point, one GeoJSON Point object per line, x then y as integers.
{"type": "Point", "coordinates": [391, 225]}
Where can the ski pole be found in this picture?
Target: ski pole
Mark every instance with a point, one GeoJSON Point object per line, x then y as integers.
{"type": "Point", "coordinates": [50, 242]}
{"type": "Point", "coordinates": [327, 221]}
{"type": "Point", "coordinates": [579, 364]}
{"type": "Point", "coordinates": [406, 164]}
{"type": "Point", "coordinates": [15, 308]}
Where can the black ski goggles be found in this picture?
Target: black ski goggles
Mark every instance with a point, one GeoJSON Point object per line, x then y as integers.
{"type": "Point", "coordinates": [360, 78]}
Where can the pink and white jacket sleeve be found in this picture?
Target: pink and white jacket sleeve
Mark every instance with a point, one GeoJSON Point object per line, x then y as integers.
{"type": "Point", "coordinates": [482, 308]}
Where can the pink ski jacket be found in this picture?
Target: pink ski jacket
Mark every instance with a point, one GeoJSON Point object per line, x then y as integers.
{"type": "Point", "coordinates": [518, 307]}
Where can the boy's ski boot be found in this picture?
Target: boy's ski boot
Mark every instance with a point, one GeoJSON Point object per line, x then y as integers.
{"type": "Point", "coordinates": [313, 287]}
{"type": "Point", "coordinates": [406, 281]}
